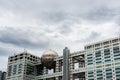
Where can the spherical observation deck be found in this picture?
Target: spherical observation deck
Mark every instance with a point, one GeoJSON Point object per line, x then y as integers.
{"type": "Point", "coordinates": [48, 58]}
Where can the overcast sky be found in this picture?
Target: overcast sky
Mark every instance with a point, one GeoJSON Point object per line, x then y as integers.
{"type": "Point", "coordinates": [39, 25]}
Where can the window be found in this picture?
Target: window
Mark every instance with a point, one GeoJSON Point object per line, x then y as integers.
{"type": "Point", "coordinates": [117, 58]}
{"type": "Point", "coordinates": [116, 49]}
{"type": "Point", "coordinates": [14, 69]}
{"type": "Point", "coordinates": [98, 57]}
{"type": "Point", "coordinates": [19, 68]}
{"type": "Point", "coordinates": [98, 62]}
{"type": "Point", "coordinates": [90, 74]}
{"type": "Point", "coordinates": [30, 69]}
{"type": "Point", "coordinates": [117, 71]}
{"type": "Point", "coordinates": [99, 74]}
{"type": "Point", "coordinates": [107, 55]}
{"type": "Point", "coordinates": [89, 59]}
{"type": "Point", "coordinates": [108, 73]}
{"type": "Point", "coordinates": [98, 54]}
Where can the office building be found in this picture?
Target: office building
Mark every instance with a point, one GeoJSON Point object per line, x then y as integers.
{"type": "Point", "coordinates": [98, 61]}
{"type": "Point", "coordinates": [2, 75]}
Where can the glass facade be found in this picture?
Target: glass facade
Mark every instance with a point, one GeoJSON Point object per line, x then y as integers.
{"type": "Point", "coordinates": [14, 69]}
{"type": "Point", "coordinates": [117, 72]}
{"type": "Point", "coordinates": [98, 57]}
{"type": "Point", "coordinates": [30, 69]}
{"type": "Point", "coordinates": [116, 53]}
{"type": "Point", "coordinates": [99, 74]}
{"type": "Point", "coordinates": [20, 68]}
{"type": "Point", "coordinates": [107, 57]}
{"type": "Point", "coordinates": [108, 73]}
{"type": "Point", "coordinates": [91, 75]}
{"type": "Point", "coordinates": [90, 59]}
{"type": "Point", "coordinates": [103, 62]}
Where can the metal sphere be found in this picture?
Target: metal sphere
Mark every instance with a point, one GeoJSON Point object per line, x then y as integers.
{"type": "Point", "coordinates": [48, 58]}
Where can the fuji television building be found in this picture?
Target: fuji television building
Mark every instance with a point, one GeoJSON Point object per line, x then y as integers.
{"type": "Point", "coordinates": [98, 61]}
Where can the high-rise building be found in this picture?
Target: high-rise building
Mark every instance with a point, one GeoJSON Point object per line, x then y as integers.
{"type": "Point", "coordinates": [98, 61]}
{"type": "Point", "coordinates": [22, 67]}
{"type": "Point", "coordinates": [2, 75]}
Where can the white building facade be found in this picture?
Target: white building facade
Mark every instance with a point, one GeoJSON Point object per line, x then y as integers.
{"type": "Point", "coordinates": [98, 61]}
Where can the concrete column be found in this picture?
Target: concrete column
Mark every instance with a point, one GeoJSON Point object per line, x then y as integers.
{"type": "Point", "coordinates": [45, 70]}
{"type": "Point", "coordinates": [61, 65]}
{"type": "Point", "coordinates": [57, 66]}
{"type": "Point", "coordinates": [66, 53]}
{"type": "Point", "coordinates": [57, 69]}
{"type": "Point", "coordinates": [71, 77]}
{"type": "Point", "coordinates": [71, 64]}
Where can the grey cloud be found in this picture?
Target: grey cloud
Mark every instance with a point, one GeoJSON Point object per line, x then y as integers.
{"type": "Point", "coordinates": [22, 38]}
{"type": "Point", "coordinates": [4, 52]}
{"type": "Point", "coordinates": [62, 15]}
{"type": "Point", "coordinates": [102, 14]}
{"type": "Point", "coordinates": [66, 27]}
{"type": "Point", "coordinates": [66, 13]}
{"type": "Point", "coordinates": [52, 11]}
{"type": "Point", "coordinates": [117, 20]}
{"type": "Point", "coordinates": [52, 17]}
{"type": "Point", "coordinates": [92, 36]}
